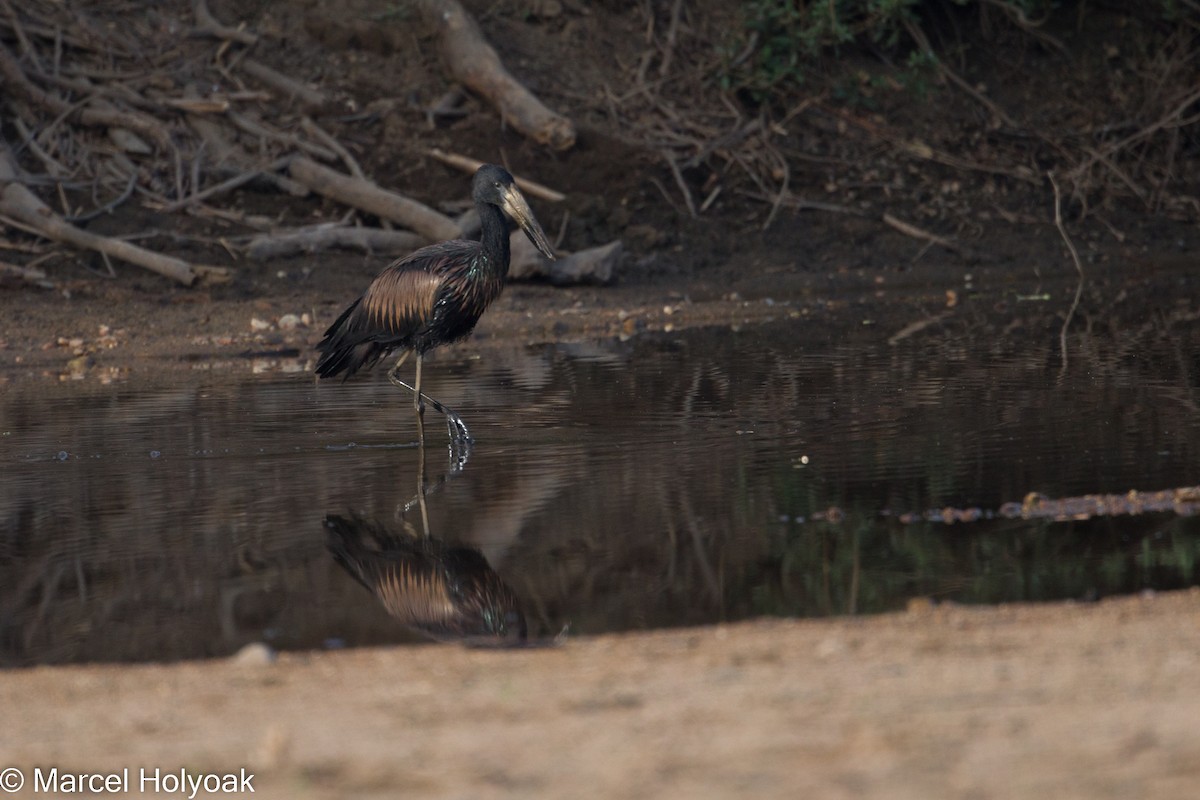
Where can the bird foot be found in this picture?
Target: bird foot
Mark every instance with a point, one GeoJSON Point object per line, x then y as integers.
{"type": "Point", "coordinates": [458, 429]}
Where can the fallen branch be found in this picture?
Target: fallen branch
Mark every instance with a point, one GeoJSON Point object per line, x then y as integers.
{"type": "Point", "coordinates": [222, 150]}
{"type": "Point", "coordinates": [908, 229]}
{"type": "Point", "coordinates": [24, 206]}
{"type": "Point", "coordinates": [681, 183]}
{"type": "Point", "coordinates": [469, 165]}
{"type": "Point", "coordinates": [16, 274]}
{"type": "Point", "coordinates": [922, 42]}
{"type": "Point", "coordinates": [472, 61]}
{"type": "Point", "coordinates": [914, 328]}
{"type": "Point", "coordinates": [16, 82]}
{"type": "Point", "coordinates": [369, 197]}
{"type": "Point", "coordinates": [317, 132]}
{"type": "Point", "coordinates": [207, 25]}
{"type": "Point", "coordinates": [328, 236]}
{"type": "Point", "coordinates": [289, 87]}
{"type": "Point", "coordinates": [596, 265]}
{"type": "Point", "coordinates": [227, 185]}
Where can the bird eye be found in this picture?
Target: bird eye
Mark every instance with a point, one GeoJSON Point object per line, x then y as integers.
{"type": "Point", "coordinates": [497, 184]}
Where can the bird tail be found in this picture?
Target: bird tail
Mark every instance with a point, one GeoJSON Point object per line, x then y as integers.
{"type": "Point", "coordinates": [352, 542]}
{"type": "Point", "coordinates": [344, 350]}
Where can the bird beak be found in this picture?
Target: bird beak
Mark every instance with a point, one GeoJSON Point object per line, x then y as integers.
{"type": "Point", "coordinates": [516, 207]}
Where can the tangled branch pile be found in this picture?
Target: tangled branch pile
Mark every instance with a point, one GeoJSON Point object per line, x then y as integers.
{"type": "Point", "coordinates": [107, 105]}
{"type": "Point", "coordinates": [775, 96]}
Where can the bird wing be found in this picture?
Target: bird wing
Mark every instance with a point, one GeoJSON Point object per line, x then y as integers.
{"type": "Point", "coordinates": [400, 301]}
{"type": "Point", "coordinates": [416, 594]}
{"type": "Point", "coordinates": [404, 297]}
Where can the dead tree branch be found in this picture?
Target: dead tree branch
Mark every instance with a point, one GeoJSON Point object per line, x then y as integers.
{"type": "Point", "coordinates": [369, 197]}
{"type": "Point", "coordinates": [472, 61]}
{"type": "Point", "coordinates": [469, 165]}
{"type": "Point", "coordinates": [327, 236]}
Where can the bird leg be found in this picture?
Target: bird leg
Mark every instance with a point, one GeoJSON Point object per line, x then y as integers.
{"type": "Point", "coordinates": [417, 404]}
{"type": "Point", "coordinates": [421, 481]}
{"type": "Point", "coordinates": [454, 423]}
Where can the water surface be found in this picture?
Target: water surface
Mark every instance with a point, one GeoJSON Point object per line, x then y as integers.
{"type": "Point", "coordinates": [671, 479]}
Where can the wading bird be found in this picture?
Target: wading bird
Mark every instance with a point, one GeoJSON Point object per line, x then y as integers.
{"type": "Point", "coordinates": [433, 296]}
{"type": "Point", "coordinates": [447, 593]}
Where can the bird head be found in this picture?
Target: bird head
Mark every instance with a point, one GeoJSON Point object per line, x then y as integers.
{"type": "Point", "coordinates": [495, 185]}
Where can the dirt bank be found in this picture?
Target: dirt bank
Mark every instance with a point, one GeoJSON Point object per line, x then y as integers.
{"type": "Point", "coordinates": [1058, 700]}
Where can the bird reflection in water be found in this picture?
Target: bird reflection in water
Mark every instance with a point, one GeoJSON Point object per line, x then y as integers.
{"type": "Point", "coordinates": [448, 593]}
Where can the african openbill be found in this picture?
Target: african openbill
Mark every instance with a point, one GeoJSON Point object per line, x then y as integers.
{"type": "Point", "coordinates": [447, 593]}
{"type": "Point", "coordinates": [433, 296]}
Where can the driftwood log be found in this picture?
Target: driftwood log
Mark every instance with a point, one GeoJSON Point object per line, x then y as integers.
{"type": "Point", "coordinates": [595, 265]}
{"type": "Point", "coordinates": [472, 61]}
{"type": "Point", "coordinates": [316, 238]}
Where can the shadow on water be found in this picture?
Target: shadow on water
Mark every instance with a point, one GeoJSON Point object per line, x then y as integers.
{"type": "Point", "coordinates": [669, 480]}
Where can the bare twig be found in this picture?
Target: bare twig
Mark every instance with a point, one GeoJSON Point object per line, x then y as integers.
{"type": "Point", "coordinates": [207, 25]}
{"type": "Point", "coordinates": [316, 131]}
{"type": "Point", "coordinates": [111, 205]}
{"type": "Point", "coordinates": [84, 113]}
{"type": "Point", "coordinates": [908, 229]}
{"type": "Point", "coordinates": [469, 165]}
{"type": "Point", "coordinates": [228, 185]}
{"type": "Point", "coordinates": [256, 127]}
{"type": "Point", "coordinates": [664, 66]}
{"type": "Point", "coordinates": [914, 328]}
{"type": "Point", "coordinates": [221, 150]}
{"type": "Point", "coordinates": [680, 182]}
{"type": "Point", "coordinates": [918, 36]}
{"type": "Point", "coordinates": [291, 88]}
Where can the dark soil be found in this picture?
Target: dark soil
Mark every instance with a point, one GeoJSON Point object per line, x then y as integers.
{"type": "Point", "coordinates": [384, 70]}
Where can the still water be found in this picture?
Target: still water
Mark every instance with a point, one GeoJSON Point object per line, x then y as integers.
{"type": "Point", "coordinates": [668, 480]}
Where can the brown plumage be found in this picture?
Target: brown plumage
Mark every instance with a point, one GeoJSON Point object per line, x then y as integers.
{"type": "Point", "coordinates": [433, 296]}
{"type": "Point", "coordinates": [447, 593]}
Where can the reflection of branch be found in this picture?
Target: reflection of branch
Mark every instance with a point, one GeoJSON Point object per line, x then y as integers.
{"type": "Point", "coordinates": [1058, 222]}
{"type": "Point", "coordinates": [694, 526]}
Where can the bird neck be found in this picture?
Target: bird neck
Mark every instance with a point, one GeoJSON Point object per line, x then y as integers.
{"type": "Point", "coordinates": [493, 240]}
